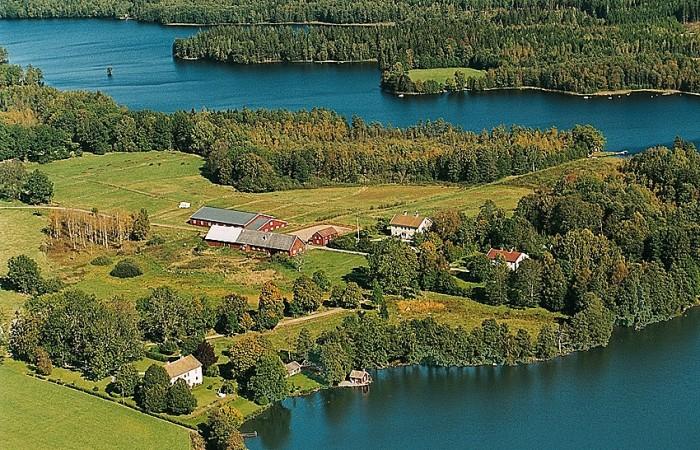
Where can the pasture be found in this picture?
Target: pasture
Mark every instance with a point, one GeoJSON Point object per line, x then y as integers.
{"type": "Point", "coordinates": [159, 181]}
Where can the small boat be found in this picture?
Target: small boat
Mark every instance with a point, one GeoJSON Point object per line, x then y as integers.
{"type": "Point", "coordinates": [585, 97]}
{"type": "Point", "coordinates": [609, 98]}
{"type": "Point", "coordinates": [400, 95]}
{"type": "Point", "coordinates": [109, 71]}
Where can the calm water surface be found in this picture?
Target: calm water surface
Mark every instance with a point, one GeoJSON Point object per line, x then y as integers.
{"type": "Point", "coordinates": [74, 54]}
{"type": "Point", "coordinates": [639, 392]}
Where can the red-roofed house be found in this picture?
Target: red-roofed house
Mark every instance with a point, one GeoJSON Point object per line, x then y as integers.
{"type": "Point", "coordinates": [513, 258]}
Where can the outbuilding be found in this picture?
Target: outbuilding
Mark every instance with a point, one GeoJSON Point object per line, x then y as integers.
{"type": "Point", "coordinates": [254, 241]}
{"type": "Point", "coordinates": [293, 368]}
{"type": "Point", "coordinates": [323, 236]}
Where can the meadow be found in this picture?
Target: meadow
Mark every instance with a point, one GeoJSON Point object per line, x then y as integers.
{"type": "Point", "coordinates": [52, 416]}
{"type": "Point", "coordinates": [442, 74]}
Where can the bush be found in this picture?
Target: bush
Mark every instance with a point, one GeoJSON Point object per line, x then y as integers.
{"type": "Point", "coordinates": [156, 240]}
{"type": "Point", "coordinates": [168, 347]}
{"type": "Point", "coordinates": [102, 261]}
{"type": "Point", "coordinates": [43, 362]}
{"type": "Point", "coordinates": [157, 356]}
{"type": "Point", "coordinates": [126, 268]}
{"type": "Point", "coordinates": [23, 275]}
{"type": "Point", "coordinates": [180, 399]}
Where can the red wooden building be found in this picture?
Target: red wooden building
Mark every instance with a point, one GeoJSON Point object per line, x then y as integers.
{"type": "Point", "coordinates": [324, 236]}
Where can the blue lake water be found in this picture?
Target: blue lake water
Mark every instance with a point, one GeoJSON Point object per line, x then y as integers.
{"type": "Point", "coordinates": [74, 54]}
{"type": "Point", "coordinates": [639, 392]}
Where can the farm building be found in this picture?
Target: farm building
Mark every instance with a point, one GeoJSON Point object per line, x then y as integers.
{"type": "Point", "coordinates": [512, 258]}
{"type": "Point", "coordinates": [324, 236]}
{"type": "Point", "coordinates": [207, 216]}
{"type": "Point", "coordinates": [405, 226]}
{"type": "Point", "coordinates": [187, 368]}
{"type": "Point", "coordinates": [255, 241]}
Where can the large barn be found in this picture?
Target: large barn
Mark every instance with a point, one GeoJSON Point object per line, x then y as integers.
{"type": "Point", "coordinates": [252, 240]}
{"type": "Point", "coordinates": [207, 216]}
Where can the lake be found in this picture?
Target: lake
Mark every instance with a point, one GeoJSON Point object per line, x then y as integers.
{"type": "Point", "coordinates": [639, 392]}
{"type": "Point", "coordinates": [75, 54]}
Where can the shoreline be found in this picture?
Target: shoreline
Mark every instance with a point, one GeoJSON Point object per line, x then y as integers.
{"type": "Point", "coordinates": [278, 61]}
{"type": "Point", "coordinates": [619, 92]}
{"type": "Point", "coordinates": [253, 24]}
{"type": "Point", "coordinates": [564, 354]}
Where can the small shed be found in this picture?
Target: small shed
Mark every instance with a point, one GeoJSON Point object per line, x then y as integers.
{"type": "Point", "coordinates": [293, 368]}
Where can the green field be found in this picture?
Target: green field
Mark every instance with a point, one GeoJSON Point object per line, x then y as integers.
{"type": "Point", "coordinates": [41, 415]}
{"type": "Point", "coordinates": [158, 181]}
{"type": "Point", "coordinates": [442, 74]}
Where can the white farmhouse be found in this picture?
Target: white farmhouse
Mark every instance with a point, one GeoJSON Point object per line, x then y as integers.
{"type": "Point", "coordinates": [187, 368]}
{"type": "Point", "coordinates": [512, 258]}
{"type": "Point", "coordinates": [405, 226]}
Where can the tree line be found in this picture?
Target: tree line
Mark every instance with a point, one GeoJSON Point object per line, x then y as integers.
{"type": "Point", "coordinates": [263, 150]}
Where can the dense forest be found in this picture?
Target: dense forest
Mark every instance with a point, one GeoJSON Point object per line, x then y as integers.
{"type": "Point", "coordinates": [336, 11]}
{"type": "Point", "coordinates": [561, 49]}
{"type": "Point", "coordinates": [269, 150]}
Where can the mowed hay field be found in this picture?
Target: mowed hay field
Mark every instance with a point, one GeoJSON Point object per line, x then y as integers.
{"type": "Point", "coordinates": [40, 415]}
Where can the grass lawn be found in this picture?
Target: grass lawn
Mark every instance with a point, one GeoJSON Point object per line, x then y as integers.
{"type": "Point", "coordinates": [304, 382]}
{"type": "Point", "coordinates": [50, 416]}
{"type": "Point", "coordinates": [441, 74]}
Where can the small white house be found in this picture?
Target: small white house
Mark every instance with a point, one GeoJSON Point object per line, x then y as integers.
{"type": "Point", "coordinates": [184, 205]}
{"type": "Point", "coordinates": [405, 226]}
{"type": "Point", "coordinates": [187, 368]}
{"type": "Point", "coordinates": [512, 258]}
